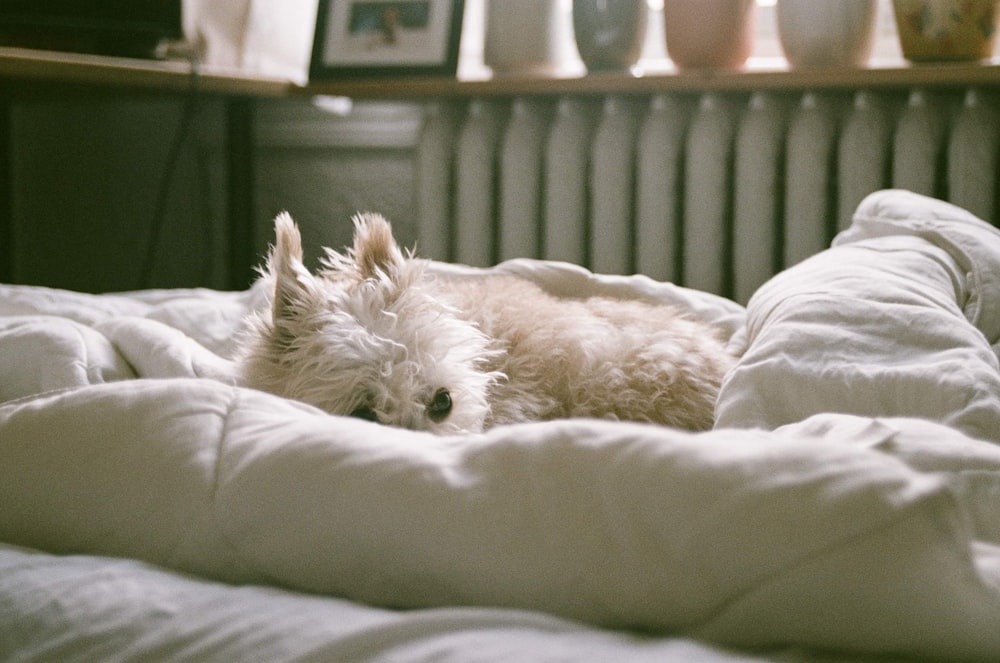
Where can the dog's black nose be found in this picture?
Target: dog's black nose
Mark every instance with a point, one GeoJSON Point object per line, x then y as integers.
{"type": "Point", "coordinates": [366, 413]}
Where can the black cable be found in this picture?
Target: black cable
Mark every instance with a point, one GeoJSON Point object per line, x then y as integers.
{"type": "Point", "coordinates": [159, 219]}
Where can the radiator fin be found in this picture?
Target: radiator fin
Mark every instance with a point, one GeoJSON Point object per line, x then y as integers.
{"type": "Point", "coordinates": [919, 145]}
{"type": "Point", "coordinates": [522, 166]}
{"type": "Point", "coordinates": [476, 182]}
{"type": "Point", "coordinates": [566, 208]}
{"type": "Point", "coordinates": [659, 187]}
{"type": "Point", "coordinates": [864, 152]}
{"type": "Point", "coordinates": [973, 154]}
{"type": "Point", "coordinates": [435, 171]}
{"type": "Point", "coordinates": [758, 208]}
{"type": "Point", "coordinates": [612, 183]}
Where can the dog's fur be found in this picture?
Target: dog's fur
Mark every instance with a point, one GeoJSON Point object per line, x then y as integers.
{"type": "Point", "coordinates": [374, 335]}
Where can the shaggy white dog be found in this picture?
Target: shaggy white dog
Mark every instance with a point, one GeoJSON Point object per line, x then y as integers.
{"type": "Point", "coordinates": [373, 335]}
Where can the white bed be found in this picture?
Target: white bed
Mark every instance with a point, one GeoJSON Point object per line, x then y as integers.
{"type": "Point", "coordinates": [846, 506]}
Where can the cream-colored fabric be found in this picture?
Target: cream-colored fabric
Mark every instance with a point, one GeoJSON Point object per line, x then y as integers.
{"type": "Point", "coordinates": [807, 535]}
{"type": "Point", "coordinates": [901, 317]}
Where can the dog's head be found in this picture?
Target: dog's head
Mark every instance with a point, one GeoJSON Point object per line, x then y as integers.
{"type": "Point", "coordinates": [367, 336]}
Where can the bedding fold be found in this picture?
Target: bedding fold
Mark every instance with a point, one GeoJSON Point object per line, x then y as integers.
{"type": "Point", "coordinates": [972, 243]}
{"type": "Point", "coordinates": [897, 319]}
{"type": "Point", "coordinates": [724, 534]}
{"type": "Point", "coordinates": [139, 613]}
{"type": "Point", "coordinates": [40, 353]}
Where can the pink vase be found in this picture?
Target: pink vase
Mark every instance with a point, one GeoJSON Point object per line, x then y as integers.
{"type": "Point", "coordinates": [709, 34]}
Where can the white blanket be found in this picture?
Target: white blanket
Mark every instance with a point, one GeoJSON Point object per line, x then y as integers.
{"type": "Point", "coordinates": [900, 318]}
{"type": "Point", "coordinates": [800, 520]}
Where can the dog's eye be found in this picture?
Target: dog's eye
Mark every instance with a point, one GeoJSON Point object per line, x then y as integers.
{"type": "Point", "coordinates": [440, 405]}
{"type": "Point", "coordinates": [364, 412]}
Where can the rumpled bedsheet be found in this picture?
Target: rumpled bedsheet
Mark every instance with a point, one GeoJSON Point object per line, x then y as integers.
{"type": "Point", "coordinates": [820, 533]}
{"type": "Point", "coordinates": [870, 533]}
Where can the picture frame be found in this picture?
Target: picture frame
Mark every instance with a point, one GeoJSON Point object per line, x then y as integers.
{"type": "Point", "coordinates": [386, 38]}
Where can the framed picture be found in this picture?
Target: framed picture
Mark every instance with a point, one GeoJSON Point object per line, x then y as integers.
{"type": "Point", "coordinates": [357, 38]}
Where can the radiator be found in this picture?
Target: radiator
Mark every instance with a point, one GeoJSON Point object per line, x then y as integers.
{"type": "Point", "coordinates": [716, 191]}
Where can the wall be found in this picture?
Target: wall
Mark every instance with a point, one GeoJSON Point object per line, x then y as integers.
{"type": "Point", "coordinates": [87, 173]}
{"type": "Point", "coordinates": [323, 160]}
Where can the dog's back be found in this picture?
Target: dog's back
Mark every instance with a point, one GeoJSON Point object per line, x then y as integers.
{"type": "Point", "coordinates": [595, 357]}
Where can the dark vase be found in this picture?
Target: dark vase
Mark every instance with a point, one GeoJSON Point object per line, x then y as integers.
{"type": "Point", "coordinates": [609, 33]}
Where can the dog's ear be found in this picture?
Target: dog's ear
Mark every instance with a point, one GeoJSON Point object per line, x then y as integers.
{"type": "Point", "coordinates": [284, 264]}
{"type": "Point", "coordinates": [375, 250]}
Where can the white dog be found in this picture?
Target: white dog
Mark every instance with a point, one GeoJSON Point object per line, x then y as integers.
{"type": "Point", "coordinates": [373, 335]}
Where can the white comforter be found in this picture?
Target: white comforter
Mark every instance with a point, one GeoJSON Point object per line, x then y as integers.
{"type": "Point", "coordinates": [848, 500]}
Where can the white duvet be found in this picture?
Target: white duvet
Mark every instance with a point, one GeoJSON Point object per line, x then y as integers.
{"type": "Point", "coordinates": [848, 500]}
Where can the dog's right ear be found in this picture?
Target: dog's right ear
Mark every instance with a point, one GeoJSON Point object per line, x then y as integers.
{"type": "Point", "coordinates": [292, 281]}
{"type": "Point", "coordinates": [375, 250]}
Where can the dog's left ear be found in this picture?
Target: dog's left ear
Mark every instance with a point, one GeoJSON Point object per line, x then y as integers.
{"type": "Point", "coordinates": [292, 279]}
{"type": "Point", "coordinates": [375, 250]}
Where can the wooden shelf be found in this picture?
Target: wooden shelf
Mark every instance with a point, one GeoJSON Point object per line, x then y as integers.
{"type": "Point", "coordinates": [29, 66]}
{"type": "Point", "coordinates": [899, 75]}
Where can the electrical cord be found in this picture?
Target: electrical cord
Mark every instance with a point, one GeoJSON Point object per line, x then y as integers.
{"type": "Point", "coordinates": [159, 219]}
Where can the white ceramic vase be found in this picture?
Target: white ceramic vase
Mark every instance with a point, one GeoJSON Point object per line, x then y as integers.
{"type": "Point", "coordinates": [821, 33]}
{"type": "Point", "coordinates": [534, 36]}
